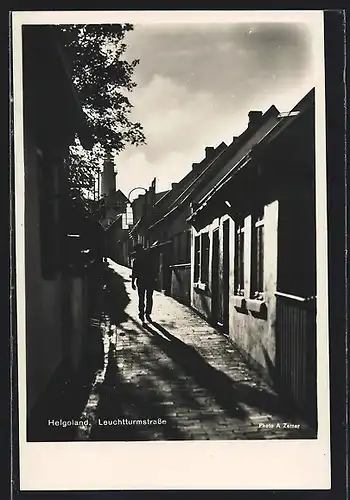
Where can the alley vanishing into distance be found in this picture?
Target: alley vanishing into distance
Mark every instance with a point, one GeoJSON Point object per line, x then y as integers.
{"type": "Point", "coordinates": [179, 372]}
{"type": "Point", "coordinates": [176, 378]}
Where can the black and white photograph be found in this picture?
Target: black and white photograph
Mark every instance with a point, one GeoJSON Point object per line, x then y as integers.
{"type": "Point", "coordinates": [170, 238]}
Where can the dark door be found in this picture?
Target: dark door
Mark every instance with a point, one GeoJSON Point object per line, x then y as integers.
{"type": "Point", "coordinates": [225, 276]}
{"type": "Point", "coordinates": [215, 278]}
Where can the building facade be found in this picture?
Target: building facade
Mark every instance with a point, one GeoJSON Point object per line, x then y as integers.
{"type": "Point", "coordinates": [170, 233]}
{"type": "Point", "coordinates": [254, 256]}
{"type": "Point", "coordinates": [55, 280]}
{"type": "Point", "coordinates": [170, 227]}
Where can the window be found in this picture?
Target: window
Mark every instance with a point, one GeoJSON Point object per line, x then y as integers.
{"type": "Point", "coordinates": [239, 258]}
{"type": "Point", "coordinates": [129, 215]}
{"type": "Point", "coordinates": [205, 243]}
{"type": "Point", "coordinates": [197, 259]}
{"type": "Point", "coordinates": [201, 258]}
{"type": "Point", "coordinates": [257, 281]}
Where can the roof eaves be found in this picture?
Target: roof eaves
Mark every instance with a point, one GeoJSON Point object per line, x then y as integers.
{"type": "Point", "coordinates": [202, 173]}
{"type": "Point", "coordinates": [225, 180]}
{"type": "Point", "coordinates": [277, 128]}
{"type": "Point", "coordinates": [165, 193]}
{"type": "Point", "coordinates": [189, 176]}
{"type": "Point", "coordinates": [115, 220]}
{"type": "Point", "coordinates": [137, 224]}
{"type": "Point", "coordinates": [235, 145]}
{"type": "Point", "coordinates": [210, 165]}
{"type": "Point", "coordinates": [162, 219]}
{"type": "Point", "coordinates": [285, 120]}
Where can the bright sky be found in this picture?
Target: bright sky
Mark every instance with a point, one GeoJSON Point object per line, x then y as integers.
{"type": "Point", "coordinates": [196, 84]}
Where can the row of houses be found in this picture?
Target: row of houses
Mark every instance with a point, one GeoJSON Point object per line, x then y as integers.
{"type": "Point", "coordinates": [235, 240]}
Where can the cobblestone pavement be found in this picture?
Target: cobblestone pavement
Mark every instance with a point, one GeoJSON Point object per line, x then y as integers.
{"type": "Point", "coordinates": [178, 379]}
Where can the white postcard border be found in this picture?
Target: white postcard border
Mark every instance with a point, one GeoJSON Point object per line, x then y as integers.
{"type": "Point", "coordinates": [281, 464]}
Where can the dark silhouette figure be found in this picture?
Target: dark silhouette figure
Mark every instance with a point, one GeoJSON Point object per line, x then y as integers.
{"type": "Point", "coordinates": [143, 274]}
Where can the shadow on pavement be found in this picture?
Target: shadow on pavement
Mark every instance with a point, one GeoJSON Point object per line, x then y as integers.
{"type": "Point", "coordinates": [216, 382]}
{"type": "Point", "coordinates": [69, 390]}
{"type": "Point", "coordinates": [108, 302]}
{"type": "Point", "coordinates": [228, 393]}
{"type": "Point", "coordinates": [166, 374]}
{"type": "Point", "coordinates": [126, 402]}
{"type": "Point", "coordinates": [63, 400]}
{"type": "Point", "coordinates": [122, 402]}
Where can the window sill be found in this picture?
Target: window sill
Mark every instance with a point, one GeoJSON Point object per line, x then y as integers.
{"type": "Point", "coordinates": [201, 286]}
{"type": "Point", "coordinates": [239, 301]}
{"type": "Point", "coordinates": [255, 305]}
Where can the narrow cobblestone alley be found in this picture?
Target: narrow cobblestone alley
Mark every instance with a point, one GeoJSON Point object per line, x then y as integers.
{"type": "Point", "coordinates": [177, 379]}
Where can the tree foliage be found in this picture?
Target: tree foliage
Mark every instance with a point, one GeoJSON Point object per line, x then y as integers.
{"type": "Point", "coordinates": [103, 78]}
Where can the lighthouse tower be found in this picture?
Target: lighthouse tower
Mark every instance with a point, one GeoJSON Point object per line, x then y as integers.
{"type": "Point", "coordinates": [108, 175]}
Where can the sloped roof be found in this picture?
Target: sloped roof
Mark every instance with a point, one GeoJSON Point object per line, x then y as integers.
{"type": "Point", "coordinates": [286, 119]}
{"type": "Point", "coordinates": [161, 195]}
{"type": "Point", "coordinates": [190, 176]}
{"type": "Point", "coordinates": [108, 222]}
{"type": "Point", "coordinates": [289, 117]}
{"type": "Point", "coordinates": [214, 164]}
{"type": "Point", "coordinates": [116, 196]}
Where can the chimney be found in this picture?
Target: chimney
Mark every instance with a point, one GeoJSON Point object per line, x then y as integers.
{"type": "Point", "coordinates": [194, 165]}
{"type": "Point", "coordinates": [174, 184]}
{"type": "Point", "coordinates": [254, 118]}
{"type": "Point", "coordinates": [209, 150]}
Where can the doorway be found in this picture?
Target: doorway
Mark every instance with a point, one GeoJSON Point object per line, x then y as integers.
{"type": "Point", "coordinates": [225, 276]}
{"type": "Point", "coordinates": [215, 278]}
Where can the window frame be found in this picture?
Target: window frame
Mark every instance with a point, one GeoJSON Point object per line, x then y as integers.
{"type": "Point", "coordinates": [205, 258]}
{"type": "Point", "coordinates": [257, 277]}
{"type": "Point", "coordinates": [202, 260]}
{"type": "Point", "coordinates": [197, 258]}
{"type": "Point", "coordinates": [239, 257]}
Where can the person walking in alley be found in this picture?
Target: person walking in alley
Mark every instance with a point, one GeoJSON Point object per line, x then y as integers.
{"type": "Point", "coordinates": [143, 274]}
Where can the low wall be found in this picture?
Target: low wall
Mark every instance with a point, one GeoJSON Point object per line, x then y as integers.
{"type": "Point", "coordinates": [181, 282]}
